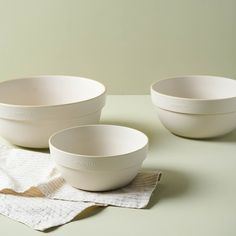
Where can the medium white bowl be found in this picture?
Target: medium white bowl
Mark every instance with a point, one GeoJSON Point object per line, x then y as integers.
{"type": "Point", "coordinates": [98, 157]}
{"type": "Point", "coordinates": [196, 106]}
{"type": "Point", "coordinates": [32, 109]}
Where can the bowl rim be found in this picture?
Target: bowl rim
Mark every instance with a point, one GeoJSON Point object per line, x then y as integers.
{"type": "Point", "coordinates": [191, 99]}
{"type": "Point", "coordinates": [145, 145]}
{"type": "Point", "coordinates": [8, 105]}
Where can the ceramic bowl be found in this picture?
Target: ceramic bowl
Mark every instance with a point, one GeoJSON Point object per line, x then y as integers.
{"type": "Point", "coordinates": [196, 106]}
{"type": "Point", "coordinates": [98, 157]}
{"type": "Point", "coordinates": [32, 109]}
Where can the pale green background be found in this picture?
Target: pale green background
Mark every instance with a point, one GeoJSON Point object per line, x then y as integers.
{"type": "Point", "coordinates": [126, 44]}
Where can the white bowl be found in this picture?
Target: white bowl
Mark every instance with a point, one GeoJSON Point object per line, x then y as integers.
{"type": "Point", "coordinates": [32, 109]}
{"type": "Point", "coordinates": [196, 106]}
{"type": "Point", "coordinates": [98, 157]}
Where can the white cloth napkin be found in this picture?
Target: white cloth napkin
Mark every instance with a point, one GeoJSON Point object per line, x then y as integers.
{"type": "Point", "coordinates": [34, 193]}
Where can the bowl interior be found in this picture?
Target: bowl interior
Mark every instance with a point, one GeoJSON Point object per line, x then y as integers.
{"type": "Point", "coordinates": [197, 87]}
{"type": "Point", "coordinates": [99, 140]}
{"type": "Point", "coordinates": [49, 90]}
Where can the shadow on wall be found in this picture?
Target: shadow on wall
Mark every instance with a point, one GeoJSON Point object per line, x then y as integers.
{"type": "Point", "coordinates": [173, 184]}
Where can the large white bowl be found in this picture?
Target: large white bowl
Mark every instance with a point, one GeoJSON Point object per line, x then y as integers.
{"type": "Point", "coordinates": [98, 157]}
{"type": "Point", "coordinates": [32, 109]}
{"type": "Point", "coordinates": [196, 106]}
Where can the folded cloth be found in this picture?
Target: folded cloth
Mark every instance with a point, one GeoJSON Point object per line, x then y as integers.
{"type": "Point", "coordinates": [34, 193]}
{"type": "Point", "coordinates": [40, 213]}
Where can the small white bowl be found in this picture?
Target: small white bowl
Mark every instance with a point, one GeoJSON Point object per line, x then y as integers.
{"type": "Point", "coordinates": [32, 109]}
{"type": "Point", "coordinates": [196, 106]}
{"type": "Point", "coordinates": [98, 157]}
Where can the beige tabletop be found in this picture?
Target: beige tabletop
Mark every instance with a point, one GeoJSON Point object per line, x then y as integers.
{"type": "Point", "coordinates": [196, 196]}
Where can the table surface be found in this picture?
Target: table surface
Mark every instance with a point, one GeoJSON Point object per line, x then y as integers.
{"type": "Point", "coordinates": [197, 193]}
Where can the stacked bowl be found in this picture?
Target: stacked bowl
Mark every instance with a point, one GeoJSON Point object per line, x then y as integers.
{"type": "Point", "coordinates": [196, 106]}
{"type": "Point", "coordinates": [99, 157]}
{"type": "Point", "coordinates": [89, 156]}
{"type": "Point", "coordinates": [32, 109]}
{"type": "Point", "coordinates": [63, 111]}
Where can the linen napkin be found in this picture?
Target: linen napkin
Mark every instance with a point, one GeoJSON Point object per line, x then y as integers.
{"type": "Point", "coordinates": [34, 193]}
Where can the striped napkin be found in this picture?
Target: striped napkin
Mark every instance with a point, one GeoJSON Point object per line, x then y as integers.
{"type": "Point", "coordinates": [34, 193]}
